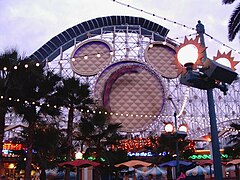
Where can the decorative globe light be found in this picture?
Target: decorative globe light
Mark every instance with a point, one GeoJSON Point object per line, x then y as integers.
{"type": "Point", "coordinates": [183, 128]}
{"type": "Point", "coordinates": [78, 155]}
{"type": "Point", "coordinates": [190, 53]}
{"type": "Point", "coordinates": [187, 54]}
{"type": "Point", "coordinates": [169, 127]}
{"type": "Point", "coordinates": [224, 61]}
{"type": "Point", "coordinates": [11, 166]}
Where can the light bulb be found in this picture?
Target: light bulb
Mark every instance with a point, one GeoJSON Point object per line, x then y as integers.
{"type": "Point", "coordinates": [187, 54]}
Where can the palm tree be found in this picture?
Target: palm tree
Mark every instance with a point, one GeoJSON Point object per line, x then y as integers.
{"type": "Point", "coordinates": [30, 87]}
{"type": "Point", "coordinates": [97, 132]}
{"type": "Point", "coordinates": [234, 23]}
{"type": "Point", "coordinates": [7, 60]}
{"type": "Point", "coordinates": [47, 143]}
{"type": "Point", "coordinates": [98, 135]}
{"type": "Point", "coordinates": [72, 95]}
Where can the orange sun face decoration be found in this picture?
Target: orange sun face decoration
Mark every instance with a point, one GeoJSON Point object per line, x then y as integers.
{"type": "Point", "coordinates": [197, 55]}
{"type": "Point", "coordinates": [224, 58]}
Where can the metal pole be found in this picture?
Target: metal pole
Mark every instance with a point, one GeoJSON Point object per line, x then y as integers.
{"type": "Point", "coordinates": [177, 152]}
{"type": "Point", "coordinates": [213, 122]}
{"type": "Point", "coordinates": [214, 137]}
{"type": "Point", "coordinates": [79, 173]}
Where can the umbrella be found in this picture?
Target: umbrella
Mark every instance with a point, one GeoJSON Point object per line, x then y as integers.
{"type": "Point", "coordinates": [209, 169]}
{"type": "Point", "coordinates": [205, 162]}
{"type": "Point", "coordinates": [51, 172]}
{"type": "Point", "coordinates": [79, 163]}
{"type": "Point", "coordinates": [156, 171]}
{"type": "Point", "coordinates": [208, 162]}
{"type": "Point", "coordinates": [234, 162]}
{"type": "Point", "coordinates": [54, 173]}
{"type": "Point", "coordinates": [174, 163]}
{"type": "Point", "coordinates": [198, 170]}
{"type": "Point", "coordinates": [230, 168]}
{"type": "Point", "coordinates": [133, 163]}
{"type": "Point", "coordinates": [60, 175]}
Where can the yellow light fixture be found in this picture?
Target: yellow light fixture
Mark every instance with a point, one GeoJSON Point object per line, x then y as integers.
{"type": "Point", "coordinates": [226, 60]}
{"type": "Point", "coordinates": [78, 155]}
{"type": "Point", "coordinates": [11, 166]}
{"type": "Point", "coordinates": [183, 127]}
{"type": "Point", "coordinates": [190, 52]}
{"type": "Point", "coordinates": [169, 127]}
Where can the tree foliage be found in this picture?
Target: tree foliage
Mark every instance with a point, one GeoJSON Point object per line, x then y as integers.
{"type": "Point", "coordinates": [30, 87]}
{"type": "Point", "coordinates": [234, 21]}
{"type": "Point", "coordinates": [97, 133]}
{"type": "Point", "coordinates": [233, 148]}
{"type": "Point", "coordinates": [7, 60]}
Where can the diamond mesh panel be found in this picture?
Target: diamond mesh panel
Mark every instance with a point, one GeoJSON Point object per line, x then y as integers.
{"type": "Point", "coordinates": [133, 93]}
{"type": "Point", "coordinates": [162, 58]}
{"type": "Point", "coordinates": [98, 56]}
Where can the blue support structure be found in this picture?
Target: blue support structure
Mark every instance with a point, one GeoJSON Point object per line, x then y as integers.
{"type": "Point", "coordinates": [213, 122]}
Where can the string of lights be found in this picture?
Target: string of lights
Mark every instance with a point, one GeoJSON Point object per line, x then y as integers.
{"type": "Point", "coordinates": [39, 104]}
{"type": "Point", "coordinates": [110, 113]}
{"type": "Point", "coordinates": [152, 14]}
{"type": "Point", "coordinates": [176, 23]}
{"type": "Point", "coordinates": [182, 37]}
{"type": "Point", "coordinates": [75, 58]}
{"type": "Point", "coordinates": [212, 38]}
{"type": "Point", "coordinates": [98, 55]}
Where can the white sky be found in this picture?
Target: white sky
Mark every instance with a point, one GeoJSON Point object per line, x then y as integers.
{"type": "Point", "coordinates": [28, 24]}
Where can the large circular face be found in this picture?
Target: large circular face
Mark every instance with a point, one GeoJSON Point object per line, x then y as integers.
{"type": "Point", "coordinates": [90, 57]}
{"type": "Point", "coordinates": [132, 92]}
{"type": "Point", "coordinates": [162, 57]}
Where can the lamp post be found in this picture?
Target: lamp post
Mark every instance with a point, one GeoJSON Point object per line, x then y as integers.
{"type": "Point", "coordinates": [178, 132]}
{"type": "Point", "coordinates": [212, 115]}
{"type": "Point", "coordinates": [78, 155]}
{"type": "Point", "coordinates": [181, 130]}
{"type": "Point", "coordinates": [177, 151]}
{"type": "Point", "coordinates": [211, 75]}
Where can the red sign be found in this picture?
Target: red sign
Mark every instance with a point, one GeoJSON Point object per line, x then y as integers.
{"type": "Point", "coordinates": [12, 146]}
{"type": "Point", "coordinates": [138, 143]}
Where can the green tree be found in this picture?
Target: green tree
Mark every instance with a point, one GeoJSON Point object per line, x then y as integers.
{"type": "Point", "coordinates": [234, 22]}
{"type": "Point", "coordinates": [7, 60]}
{"type": "Point", "coordinates": [72, 95]}
{"type": "Point", "coordinates": [47, 144]}
{"type": "Point", "coordinates": [233, 150]}
{"type": "Point", "coordinates": [167, 143]}
{"type": "Point", "coordinates": [99, 134]}
{"type": "Point", "coordinates": [30, 89]}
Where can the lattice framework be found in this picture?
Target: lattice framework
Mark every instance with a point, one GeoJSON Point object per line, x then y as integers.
{"type": "Point", "coordinates": [130, 45]}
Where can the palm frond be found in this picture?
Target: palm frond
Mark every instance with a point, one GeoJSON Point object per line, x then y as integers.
{"type": "Point", "coordinates": [235, 126]}
{"type": "Point", "coordinates": [228, 1]}
{"type": "Point", "coordinates": [234, 23]}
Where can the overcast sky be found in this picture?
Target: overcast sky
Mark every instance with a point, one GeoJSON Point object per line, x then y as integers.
{"type": "Point", "coordinates": [28, 24]}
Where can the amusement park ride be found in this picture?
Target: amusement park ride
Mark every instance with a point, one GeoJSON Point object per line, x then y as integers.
{"type": "Point", "coordinates": [132, 69]}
